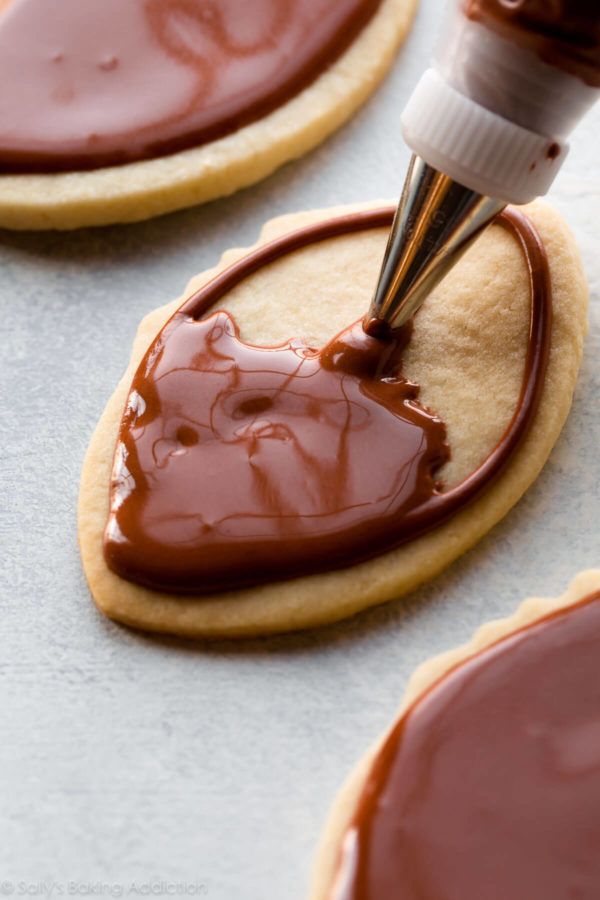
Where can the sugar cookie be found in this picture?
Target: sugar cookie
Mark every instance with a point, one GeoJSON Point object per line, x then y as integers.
{"type": "Point", "coordinates": [467, 352]}
{"type": "Point", "coordinates": [488, 783]}
{"type": "Point", "coordinates": [133, 108]}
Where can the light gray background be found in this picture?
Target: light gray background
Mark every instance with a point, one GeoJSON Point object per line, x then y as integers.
{"type": "Point", "coordinates": [129, 758]}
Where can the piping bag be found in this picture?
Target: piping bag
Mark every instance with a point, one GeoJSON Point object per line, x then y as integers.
{"type": "Point", "coordinates": [488, 125]}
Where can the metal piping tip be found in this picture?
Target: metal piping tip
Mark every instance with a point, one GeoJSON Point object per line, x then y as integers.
{"type": "Point", "coordinates": [436, 222]}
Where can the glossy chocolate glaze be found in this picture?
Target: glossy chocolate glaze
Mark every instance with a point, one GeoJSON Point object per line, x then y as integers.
{"type": "Point", "coordinates": [564, 33]}
{"type": "Point", "coordinates": [101, 82]}
{"type": "Point", "coordinates": [488, 788]}
{"type": "Point", "coordinates": [237, 465]}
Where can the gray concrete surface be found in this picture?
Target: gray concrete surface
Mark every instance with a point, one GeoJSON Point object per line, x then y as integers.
{"type": "Point", "coordinates": [128, 761]}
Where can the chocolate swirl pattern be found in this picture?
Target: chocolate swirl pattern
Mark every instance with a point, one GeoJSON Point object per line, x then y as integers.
{"type": "Point", "coordinates": [114, 81]}
{"type": "Point", "coordinates": [237, 465]}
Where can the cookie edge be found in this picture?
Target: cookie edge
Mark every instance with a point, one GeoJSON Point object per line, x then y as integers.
{"type": "Point", "coordinates": [141, 190]}
{"type": "Point", "coordinates": [234, 614]}
{"type": "Point", "coordinates": [344, 805]}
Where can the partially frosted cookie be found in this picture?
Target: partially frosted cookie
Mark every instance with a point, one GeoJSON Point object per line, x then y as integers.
{"type": "Point", "coordinates": [132, 108]}
{"type": "Point", "coordinates": [232, 490]}
{"type": "Point", "coordinates": [488, 784]}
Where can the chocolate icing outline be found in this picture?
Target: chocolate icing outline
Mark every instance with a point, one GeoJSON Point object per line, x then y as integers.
{"type": "Point", "coordinates": [383, 757]}
{"type": "Point", "coordinates": [445, 504]}
{"type": "Point", "coordinates": [61, 161]}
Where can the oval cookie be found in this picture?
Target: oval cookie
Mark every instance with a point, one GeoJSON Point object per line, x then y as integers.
{"type": "Point", "coordinates": [488, 783]}
{"type": "Point", "coordinates": [467, 353]}
{"type": "Point", "coordinates": [159, 105]}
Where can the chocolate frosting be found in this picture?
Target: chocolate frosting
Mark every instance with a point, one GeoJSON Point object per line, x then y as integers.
{"type": "Point", "coordinates": [100, 82]}
{"type": "Point", "coordinates": [564, 33]}
{"type": "Point", "coordinates": [488, 788]}
{"type": "Point", "coordinates": [237, 465]}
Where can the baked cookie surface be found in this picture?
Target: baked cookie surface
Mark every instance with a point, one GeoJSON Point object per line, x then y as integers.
{"type": "Point", "coordinates": [487, 783]}
{"type": "Point", "coordinates": [237, 145]}
{"type": "Point", "coordinates": [467, 353]}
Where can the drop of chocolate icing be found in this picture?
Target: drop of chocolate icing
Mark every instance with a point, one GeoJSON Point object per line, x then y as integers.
{"type": "Point", "coordinates": [553, 151]}
{"type": "Point", "coordinates": [377, 328]}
